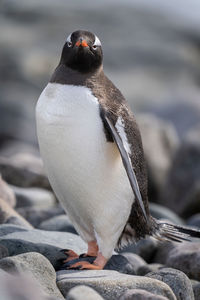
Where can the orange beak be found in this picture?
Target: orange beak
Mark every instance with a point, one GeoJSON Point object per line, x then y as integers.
{"type": "Point", "coordinates": [82, 43]}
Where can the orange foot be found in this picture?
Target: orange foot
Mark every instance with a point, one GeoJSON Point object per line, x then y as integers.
{"type": "Point", "coordinates": [70, 255]}
{"type": "Point", "coordinates": [84, 265]}
{"type": "Point", "coordinates": [98, 264]}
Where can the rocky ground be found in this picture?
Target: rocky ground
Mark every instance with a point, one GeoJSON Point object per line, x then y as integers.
{"type": "Point", "coordinates": [34, 228]}
{"type": "Point", "coordinates": [156, 65]}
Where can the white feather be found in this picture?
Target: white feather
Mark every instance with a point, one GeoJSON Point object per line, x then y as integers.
{"type": "Point", "coordinates": [85, 171]}
{"type": "Point", "coordinates": [69, 38]}
{"type": "Point", "coordinates": [97, 41]}
{"type": "Point", "coordinates": [120, 128]}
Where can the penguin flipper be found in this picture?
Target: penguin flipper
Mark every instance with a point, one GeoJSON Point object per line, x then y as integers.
{"type": "Point", "coordinates": [126, 161]}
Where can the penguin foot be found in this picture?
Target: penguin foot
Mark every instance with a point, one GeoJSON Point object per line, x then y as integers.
{"type": "Point", "coordinates": [69, 263]}
{"type": "Point", "coordinates": [92, 249]}
{"type": "Point", "coordinates": [71, 255]}
{"type": "Point", "coordinates": [84, 265]}
{"type": "Point", "coordinates": [86, 255]}
{"type": "Point", "coordinates": [90, 264]}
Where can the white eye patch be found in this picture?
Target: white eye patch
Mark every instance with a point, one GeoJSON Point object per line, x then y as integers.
{"type": "Point", "coordinates": [69, 38]}
{"type": "Point", "coordinates": [97, 41]}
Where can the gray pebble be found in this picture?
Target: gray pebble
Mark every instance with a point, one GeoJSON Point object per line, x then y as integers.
{"type": "Point", "coordinates": [121, 264]}
{"type": "Point", "coordinates": [6, 193]}
{"type": "Point", "coordinates": [177, 280]}
{"type": "Point", "coordinates": [143, 270]}
{"type": "Point", "coordinates": [25, 170]}
{"type": "Point", "coordinates": [182, 189]}
{"type": "Point", "coordinates": [10, 228]}
{"type": "Point", "coordinates": [36, 215]}
{"type": "Point", "coordinates": [160, 142]}
{"type": "Point", "coordinates": [194, 221]}
{"type": "Point", "coordinates": [145, 248]}
{"type": "Point", "coordinates": [58, 223]}
{"type": "Point", "coordinates": [22, 286]}
{"type": "Point", "coordinates": [196, 289]}
{"type": "Point", "coordinates": [110, 284]}
{"type": "Point", "coordinates": [135, 261]}
{"type": "Point", "coordinates": [162, 252]}
{"type": "Point", "coordinates": [161, 212]}
{"type": "Point", "coordinates": [48, 243]}
{"type": "Point", "coordinates": [10, 216]}
{"type": "Point", "coordinates": [139, 294]}
{"type": "Point", "coordinates": [3, 252]}
{"type": "Point", "coordinates": [186, 257]}
{"type": "Point", "coordinates": [33, 196]}
{"type": "Point", "coordinates": [81, 292]}
{"type": "Point", "coordinates": [37, 266]}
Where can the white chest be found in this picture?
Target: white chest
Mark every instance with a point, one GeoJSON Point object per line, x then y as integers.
{"type": "Point", "coordinates": [85, 171]}
{"type": "Point", "coordinates": [70, 130]}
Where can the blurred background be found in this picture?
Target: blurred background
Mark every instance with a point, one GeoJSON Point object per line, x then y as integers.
{"type": "Point", "coordinates": [151, 53]}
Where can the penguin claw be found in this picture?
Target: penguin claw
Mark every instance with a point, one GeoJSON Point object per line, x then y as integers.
{"type": "Point", "coordinates": [76, 268]}
{"type": "Point", "coordinates": [85, 255]}
{"type": "Point", "coordinates": [70, 254]}
{"type": "Point", "coordinates": [64, 250]}
{"type": "Point", "coordinates": [68, 263]}
{"type": "Point", "coordinates": [73, 258]}
{"type": "Point", "coordinates": [84, 265]}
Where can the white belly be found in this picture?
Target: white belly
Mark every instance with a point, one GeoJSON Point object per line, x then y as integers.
{"type": "Point", "coordinates": [85, 171]}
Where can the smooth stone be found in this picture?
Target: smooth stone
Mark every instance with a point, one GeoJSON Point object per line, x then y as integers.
{"type": "Point", "coordinates": [12, 147]}
{"type": "Point", "coordinates": [3, 252]}
{"type": "Point", "coordinates": [58, 223]}
{"type": "Point", "coordinates": [160, 141]}
{"type": "Point", "coordinates": [110, 284]}
{"type": "Point", "coordinates": [186, 258]}
{"type": "Point", "coordinates": [36, 265]}
{"type": "Point", "coordinates": [135, 261]}
{"type": "Point", "coordinates": [25, 170]}
{"type": "Point", "coordinates": [163, 251]}
{"type": "Point", "coordinates": [161, 212]}
{"type": "Point", "coordinates": [10, 216]}
{"type": "Point", "coordinates": [182, 189]}
{"type": "Point", "coordinates": [48, 243]}
{"type": "Point", "coordinates": [35, 215]}
{"type": "Point", "coordinates": [3, 273]}
{"type": "Point", "coordinates": [81, 292]}
{"type": "Point", "coordinates": [196, 289]}
{"type": "Point", "coordinates": [22, 286]}
{"type": "Point", "coordinates": [6, 193]}
{"type": "Point", "coordinates": [143, 270]}
{"type": "Point", "coordinates": [146, 248]}
{"type": "Point", "coordinates": [18, 220]}
{"type": "Point", "coordinates": [10, 228]}
{"type": "Point", "coordinates": [177, 280]}
{"type": "Point", "coordinates": [52, 253]}
{"type": "Point", "coordinates": [193, 135]}
{"type": "Point", "coordinates": [194, 221]}
{"type": "Point", "coordinates": [121, 264]}
{"type": "Point", "coordinates": [139, 294]}
{"type": "Point", "coordinates": [32, 196]}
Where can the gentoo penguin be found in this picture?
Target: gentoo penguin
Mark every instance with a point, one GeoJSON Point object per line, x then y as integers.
{"type": "Point", "coordinates": [92, 152]}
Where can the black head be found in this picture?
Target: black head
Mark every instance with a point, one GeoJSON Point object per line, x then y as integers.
{"type": "Point", "coordinates": [82, 52]}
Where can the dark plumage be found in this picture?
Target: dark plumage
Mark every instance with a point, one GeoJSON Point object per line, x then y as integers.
{"type": "Point", "coordinates": [81, 65]}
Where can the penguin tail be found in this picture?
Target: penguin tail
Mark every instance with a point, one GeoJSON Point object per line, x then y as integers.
{"type": "Point", "coordinates": [171, 232]}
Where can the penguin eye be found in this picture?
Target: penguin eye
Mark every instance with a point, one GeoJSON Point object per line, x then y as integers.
{"type": "Point", "coordinates": [69, 44]}
{"type": "Point", "coordinates": [96, 44]}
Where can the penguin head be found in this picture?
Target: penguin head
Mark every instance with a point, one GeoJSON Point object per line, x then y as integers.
{"type": "Point", "coordinates": [82, 52]}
